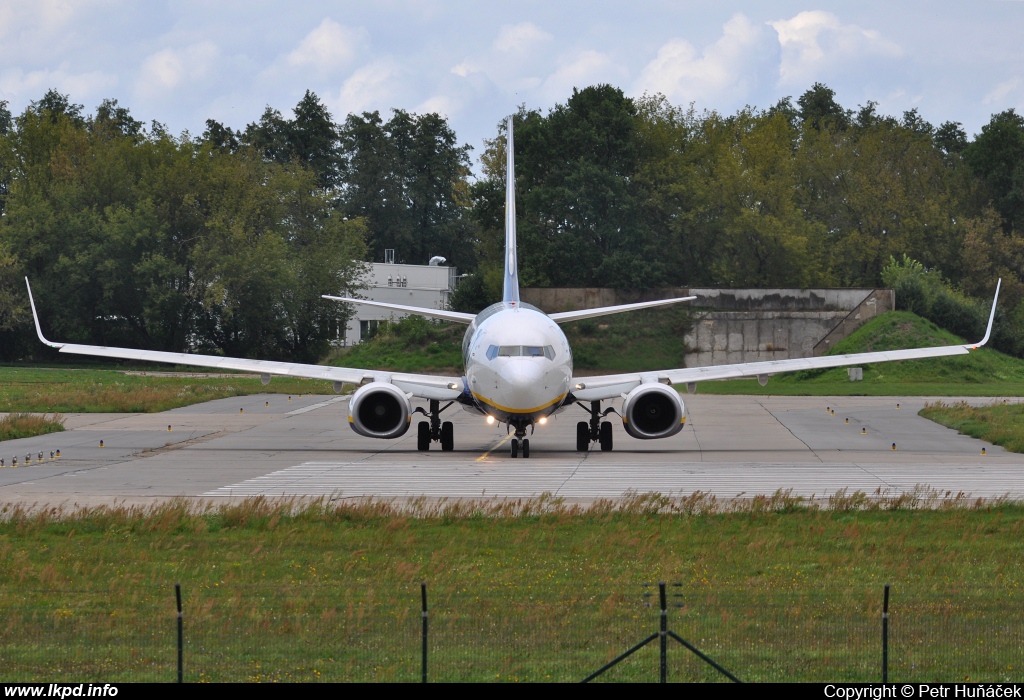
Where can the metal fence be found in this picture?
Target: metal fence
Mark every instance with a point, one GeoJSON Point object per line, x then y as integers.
{"type": "Point", "coordinates": [555, 633]}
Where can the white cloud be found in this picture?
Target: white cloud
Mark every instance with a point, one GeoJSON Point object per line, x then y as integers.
{"type": "Point", "coordinates": [582, 69]}
{"type": "Point", "coordinates": [166, 70]}
{"type": "Point", "coordinates": [723, 68]}
{"type": "Point", "coordinates": [514, 53]}
{"type": "Point", "coordinates": [1001, 91]}
{"type": "Point", "coordinates": [441, 104]}
{"type": "Point", "coordinates": [519, 37]}
{"type": "Point", "coordinates": [20, 85]}
{"type": "Point", "coordinates": [815, 43]}
{"type": "Point", "coordinates": [41, 15]}
{"type": "Point", "coordinates": [368, 88]}
{"type": "Point", "coordinates": [329, 47]}
{"type": "Point", "coordinates": [465, 68]}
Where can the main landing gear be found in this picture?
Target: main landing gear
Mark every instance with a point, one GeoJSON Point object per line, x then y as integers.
{"type": "Point", "coordinates": [435, 429]}
{"type": "Point", "coordinates": [595, 430]}
{"type": "Point", "coordinates": [520, 441]}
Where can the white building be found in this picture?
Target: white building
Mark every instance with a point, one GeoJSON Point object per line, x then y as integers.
{"type": "Point", "coordinates": [427, 286]}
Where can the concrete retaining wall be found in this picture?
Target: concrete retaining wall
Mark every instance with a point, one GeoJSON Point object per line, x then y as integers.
{"type": "Point", "coordinates": [745, 325]}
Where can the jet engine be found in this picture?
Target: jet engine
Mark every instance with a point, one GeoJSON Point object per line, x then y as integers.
{"type": "Point", "coordinates": [653, 411]}
{"type": "Point", "coordinates": [379, 410]}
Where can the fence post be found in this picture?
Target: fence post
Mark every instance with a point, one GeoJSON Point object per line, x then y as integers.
{"type": "Point", "coordinates": [181, 637]}
{"type": "Point", "coordinates": [423, 595]}
{"type": "Point", "coordinates": [885, 636]}
{"type": "Point", "coordinates": [664, 632]}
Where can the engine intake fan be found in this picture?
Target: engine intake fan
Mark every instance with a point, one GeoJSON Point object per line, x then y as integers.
{"type": "Point", "coordinates": [380, 410]}
{"type": "Point", "coordinates": [653, 411]}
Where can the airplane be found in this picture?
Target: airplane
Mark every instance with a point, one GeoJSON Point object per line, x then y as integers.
{"type": "Point", "coordinates": [518, 369]}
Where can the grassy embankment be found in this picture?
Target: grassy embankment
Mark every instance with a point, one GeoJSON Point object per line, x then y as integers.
{"type": "Point", "coordinates": [984, 372]}
{"type": "Point", "coordinates": [772, 589]}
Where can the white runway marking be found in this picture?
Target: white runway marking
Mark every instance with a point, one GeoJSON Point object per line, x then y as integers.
{"type": "Point", "coordinates": [315, 406]}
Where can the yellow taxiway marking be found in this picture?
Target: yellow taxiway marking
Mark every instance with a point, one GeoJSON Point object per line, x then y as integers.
{"type": "Point", "coordinates": [500, 443]}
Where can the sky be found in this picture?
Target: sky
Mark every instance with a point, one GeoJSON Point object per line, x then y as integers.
{"type": "Point", "coordinates": [182, 62]}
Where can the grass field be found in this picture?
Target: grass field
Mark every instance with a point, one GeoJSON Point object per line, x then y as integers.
{"type": "Point", "coordinates": [999, 424]}
{"type": "Point", "coordinates": [771, 589]}
{"type": "Point", "coordinates": [29, 389]}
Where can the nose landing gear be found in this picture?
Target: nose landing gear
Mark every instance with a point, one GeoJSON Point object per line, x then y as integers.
{"type": "Point", "coordinates": [435, 430]}
{"type": "Point", "coordinates": [517, 444]}
{"type": "Point", "coordinates": [520, 441]}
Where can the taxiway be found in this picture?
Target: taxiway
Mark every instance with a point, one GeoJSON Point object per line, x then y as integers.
{"type": "Point", "coordinates": [731, 446]}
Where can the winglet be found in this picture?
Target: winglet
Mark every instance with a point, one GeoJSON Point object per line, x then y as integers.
{"type": "Point", "coordinates": [35, 317]}
{"type": "Point", "coordinates": [991, 317]}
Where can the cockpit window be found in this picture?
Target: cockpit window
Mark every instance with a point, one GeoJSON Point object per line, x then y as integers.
{"type": "Point", "coordinates": [520, 351]}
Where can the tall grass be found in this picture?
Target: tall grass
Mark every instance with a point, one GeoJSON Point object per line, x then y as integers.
{"type": "Point", "coordinates": [1001, 424]}
{"type": "Point", "coordinates": [22, 425]}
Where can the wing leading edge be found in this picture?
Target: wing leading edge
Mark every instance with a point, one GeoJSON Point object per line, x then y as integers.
{"type": "Point", "coordinates": [612, 386]}
{"type": "Point", "coordinates": [456, 316]}
{"type": "Point", "coordinates": [420, 385]}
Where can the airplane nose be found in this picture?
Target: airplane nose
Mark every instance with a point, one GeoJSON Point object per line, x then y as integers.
{"type": "Point", "coordinates": [524, 374]}
{"type": "Point", "coordinates": [524, 383]}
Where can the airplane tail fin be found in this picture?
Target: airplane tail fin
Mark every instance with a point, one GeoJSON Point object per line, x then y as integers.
{"type": "Point", "coordinates": [510, 291]}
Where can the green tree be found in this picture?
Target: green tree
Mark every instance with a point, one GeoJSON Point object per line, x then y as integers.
{"type": "Point", "coordinates": [311, 138]}
{"type": "Point", "coordinates": [145, 240]}
{"type": "Point", "coordinates": [579, 218]}
{"type": "Point", "coordinates": [819, 109]}
{"type": "Point", "coordinates": [408, 177]}
{"type": "Point", "coordinates": [996, 156]}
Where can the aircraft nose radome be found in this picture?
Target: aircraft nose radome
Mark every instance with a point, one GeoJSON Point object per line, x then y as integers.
{"type": "Point", "coordinates": [523, 374]}
{"type": "Point", "coordinates": [523, 384]}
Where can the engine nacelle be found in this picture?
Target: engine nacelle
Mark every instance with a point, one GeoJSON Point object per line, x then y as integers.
{"type": "Point", "coordinates": [380, 410]}
{"type": "Point", "coordinates": [653, 411]}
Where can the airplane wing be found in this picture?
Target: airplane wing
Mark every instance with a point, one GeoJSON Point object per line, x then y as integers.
{"type": "Point", "coordinates": [423, 386]}
{"type": "Point", "coordinates": [456, 316]}
{"type": "Point", "coordinates": [565, 316]}
{"type": "Point", "coordinates": [614, 385]}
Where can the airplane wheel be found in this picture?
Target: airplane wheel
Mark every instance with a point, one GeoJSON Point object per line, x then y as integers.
{"type": "Point", "coordinates": [526, 448]}
{"type": "Point", "coordinates": [423, 436]}
{"type": "Point", "coordinates": [447, 436]}
{"type": "Point", "coordinates": [606, 436]}
{"type": "Point", "coordinates": [582, 436]}
{"type": "Point", "coordinates": [515, 448]}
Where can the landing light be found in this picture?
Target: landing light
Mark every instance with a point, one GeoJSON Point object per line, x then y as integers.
{"type": "Point", "coordinates": [543, 420]}
{"type": "Point", "coordinates": [490, 420]}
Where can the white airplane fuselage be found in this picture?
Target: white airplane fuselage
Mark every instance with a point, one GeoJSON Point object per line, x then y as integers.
{"type": "Point", "coordinates": [518, 363]}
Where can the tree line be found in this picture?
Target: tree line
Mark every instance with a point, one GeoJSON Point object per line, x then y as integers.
{"type": "Point", "coordinates": [224, 242]}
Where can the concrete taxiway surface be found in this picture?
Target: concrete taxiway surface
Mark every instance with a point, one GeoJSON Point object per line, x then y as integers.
{"type": "Point", "coordinates": [731, 446]}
